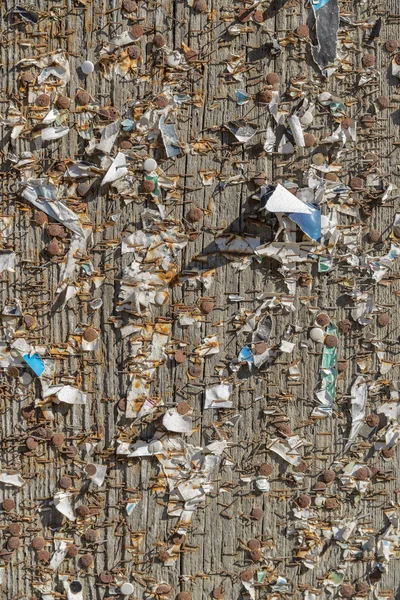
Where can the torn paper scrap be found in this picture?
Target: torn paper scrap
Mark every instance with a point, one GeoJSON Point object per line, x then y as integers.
{"type": "Point", "coordinates": [66, 394]}
{"type": "Point", "coordinates": [60, 553]}
{"type": "Point", "coordinates": [310, 224]}
{"type": "Point", "coordinates": [218, 396]}
{"type": "Point", "coordinates": [177, 423]}
{"type": "Point", "coordinates": [100, 474]}
{"type": "Point", "coordinates": [34, 362]}
{"type": "Point", "coordinates": [53, 133]}
{"type": "Point", "coordinates": [286, 449]}
{"type": "Point", "coordinates": [169, 138]}
{"type": "Point", "coordinates": [359, 392]}
{"type": "Point", "coordinates": [7, 262]}
{"type": "Point", "coordinates": [43, 195]}
{"type": "Point", "coordinates": [116, 170]}
{"type": "Point", "coordinates": [326, 14]}
{"type": "Point", "coordinates": [283, 201]}
{"type": "Point", "coordinates": [62, 502]}
{"type": "Point", "coordinates": [297, 130]}
{"type": "Point", "coordinates": [242, 130]}
{"type": "Point", "coordinates": [15, 480]}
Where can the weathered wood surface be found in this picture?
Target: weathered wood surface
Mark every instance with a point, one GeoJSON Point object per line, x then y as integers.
{"type": "Point", "coordinates": [213, 554]}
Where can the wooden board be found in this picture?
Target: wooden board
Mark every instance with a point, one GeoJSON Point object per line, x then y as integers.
{"type": "Point", "coordinates": [214, 553]}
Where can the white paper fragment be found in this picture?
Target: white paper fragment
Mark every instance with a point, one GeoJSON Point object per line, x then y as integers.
{"type": "Point", "coordinates": [139, 448]}
{"type": "Point", "coordinates": [53, 133]}
{"type": "Point", "coordinates": [7, 262]}
{"type": "Point", "coordinates": [177, 423]}
{"type": "Point", "coordinates": [72, 594]}
{"type": "Point", "coordinates": [270, 140]}
{"type": "Point", "coordinates": [263, 484]}
{"type": "Point", "coordinates": [77, 248]}
{"type": "Point", "coordinates": [62, 502]}
{"type": "Point", "coordinates": [359, 392]}
{"type": "Point", "coordinates": [250, 589]}
{"type": "Point", "coordinates": [51, 116]}
{"type": "Point", "coordinates": [14, 480]}
{"type": "Point", "coordinates": [297, 131]}
{"type": "Point", "coordinates": [66, 394]}
{"type": "Point", "coordinates": [286, 449]}
{"type": "Point", "coordinates": [99, 476]}
{"type": "Point", "coordinates": [286, 346]}
{"type": "Point", "coordinates": [117, 169]}
{"type": "Point", "coordinates": [107, 140]}
{"type": "Point", "coordinates": [209, 346]}
{"type": "Point", "coordinates": [60, 553]}
{"type": "Point", "coordinates": [218, 396]}
{"type": "Point", "coordinates": [43, 195]}
{"type": "Point", "coordinates": [395, 68]}
{"type": "Point", "coordinates": [282, 201]}
{"type": "Point", "coordinates": [56, 65]}
{"type": "Point", "coordinates": [123, 39]}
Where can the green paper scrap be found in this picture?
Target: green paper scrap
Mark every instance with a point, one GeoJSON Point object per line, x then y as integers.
{"type": "Point", "coordinates": [328, 377]}
{"type": "Point", "coordinates": [338, 109]}
{"type": "Point", "coordinates": [324, 264]}
{"type": "Point", "coordinates": [336, 577]}
{"type": "Point", "coordinates": [329, 364]}
{"type": "Point", "coordinates": [154, 178]}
